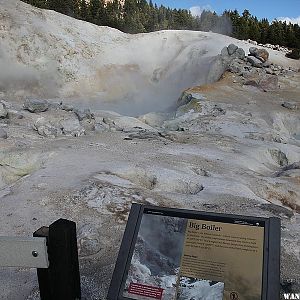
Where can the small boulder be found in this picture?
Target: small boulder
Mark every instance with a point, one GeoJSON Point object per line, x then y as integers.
{"type": "Point", "coordinates": [83, 114]}
{"type": "Point", "coordinates": [224, 52]}
{"type": "Point", "coordinates": [251, 82]}
{"type": "Point", "coordinates": [255, 62]}
{"type": "Point", "coordinates": [194, 188]}
{"type": "Point", "coordinates": [71, 127]}
{"type": "Point", "coordinates": [261, 54]}
{"type": "Point", "coordinates": [3, 134]}
{"type": "Point", "coordinates": [6, 104]}
{"type": "Point", "coordinates": [279, 157]}
{"type": "Point", "coordinates": [232, 48]}
{"type": "Point", "coordinates": [88, 124]}
{"type": "Point", "coordinates": [252, 50]}
{"type": "Point", "coordinates": [289, 105]}
{"type": "Point", "coordinates": [3, 111]}
{"type": "Point", "coordinates": [240, 53]}
{"type": "Point", "coordinates": [55, 105]}
{"type": "Point", "coordinates": [45, 128]}
{"type": "Point", "coordinates": [127, 124]}
{"type": "Point", "coordinates": [154, 119]}
{"type": "Point", "coordinates": [14, 114]}
{"type": "Point", "coordinates": [67, 107]}
{"type": "Point", "coordinates": [36, 105]}
{"type": "Point", "coordinates": [89, 240]}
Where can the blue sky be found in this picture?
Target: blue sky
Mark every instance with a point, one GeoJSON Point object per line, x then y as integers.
{"type": "Point", "coordinates": [270, 9]}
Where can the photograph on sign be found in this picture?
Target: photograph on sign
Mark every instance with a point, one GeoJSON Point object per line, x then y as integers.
{"type": "Point", "coordinates": [180, 258]}
{"type": "Point", "coordinates": [194, 288]}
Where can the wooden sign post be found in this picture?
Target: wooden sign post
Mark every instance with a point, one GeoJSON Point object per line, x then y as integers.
{"type": "Point", "coordinates": [61, 281]}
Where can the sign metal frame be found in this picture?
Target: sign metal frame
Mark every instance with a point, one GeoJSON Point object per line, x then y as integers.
{"type": "Point", "coordinates": [271, 251]}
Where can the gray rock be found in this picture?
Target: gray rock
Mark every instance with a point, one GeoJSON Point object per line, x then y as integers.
{"type": "Point", "coordinates": [55, 105]}
{"type": "Point", "coordinates": [184, 99]}
{"type": "Point", "coordinates": [232, 48]}
{"type": "Point", "coordinates": [217, 111]}
{"type": "Point", "coordinates": [127, 124]}
{"type": "Point", "coordinates": [269, 71]}
{"type": "Point", "coordinates": [194, 188]}
{"type": "Point", "coordinates": [224, 52]}
{"type": "Point", "coordinates": [45, 128]}
{"type": "Point", "coordinates": [294, 166]}
{"type": "Point", "coordinates": [57, 123]}
{"type": "Point", "coordinates": [67, 107]}
{"type": "Point", "coordinates": [255, 62]}
{"type": "Point", "coordinates": [252, 50]}
{"type": "Point", "coordinates": [3, 111]}
{"type": "Point", "coordinates": [240, 53]}
{"type": "Point", "coordinates": [201, 172]}
{"type": "Point", "coordinates": [88, 124]}
{"type": "Point", "coordinates": [3, 134]}
{"type": "Point", "coordinates": [83, 114]}
{"type": "Point", "coordinates": [289, 105]}
{"type": "Point", "coordinates": [14, 114]}
{"type": "Point", "coordinates": [19, 163]}
{"type": "Point", "coordinates": [235, 68]}
{"type": "Point", "coordinates": [154, 119]}
{"type": "Point", "coordinates": [266, 64]}
{"type": "Point", "coordinates": [279, 157]}
{"type": "Point", "coordinates": [260, 54]}
{"type": "Point", "coordinates": [6, 104]}
{"type": "Point", "coordinates": [100, 127]}
{"type": "Point", "coordinates": [217, 69]}
{"type": "Point", "coordinates": [275, 68]}
{"type": "Point", "coordinates": [251, 82]}
{"type": "Point", "coordinates": [36, 105]}
{"type": "Point", "coordinates": [89, 241]}
{"type": "Point", "coordinates": [71, 127]}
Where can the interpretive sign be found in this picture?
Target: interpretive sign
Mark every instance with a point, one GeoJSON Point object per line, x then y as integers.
{"type": "Point", "coordinates": [173, 254]}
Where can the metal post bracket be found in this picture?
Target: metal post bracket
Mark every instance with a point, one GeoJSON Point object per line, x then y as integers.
{"type": "Point", "coordinates": [28, 252]}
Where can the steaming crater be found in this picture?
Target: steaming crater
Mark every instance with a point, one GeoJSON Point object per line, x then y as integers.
{"type": "Point", "coordinates": [50, 55]}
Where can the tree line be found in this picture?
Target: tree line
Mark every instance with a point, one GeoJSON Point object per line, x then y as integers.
{"type": "Point", "coordinates": [137, 16]}
{"type": "Point", "coordinates": [247, 26]}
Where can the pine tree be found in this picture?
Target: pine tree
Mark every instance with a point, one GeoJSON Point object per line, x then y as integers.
{"type": "Point", "coordinates": [94, 8]}
{"type": "Point", "coordinates": [65, 7]}
{"type": "Point", "coordinates": [140, 16]}
{"type": "Point", "coordinates": [83, 10]}
{"type": "Point", "coordinates": [38, 3]}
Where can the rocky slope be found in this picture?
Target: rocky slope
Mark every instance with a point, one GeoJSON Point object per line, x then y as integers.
{"type": "Point", "coordinates": [229, 146]}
